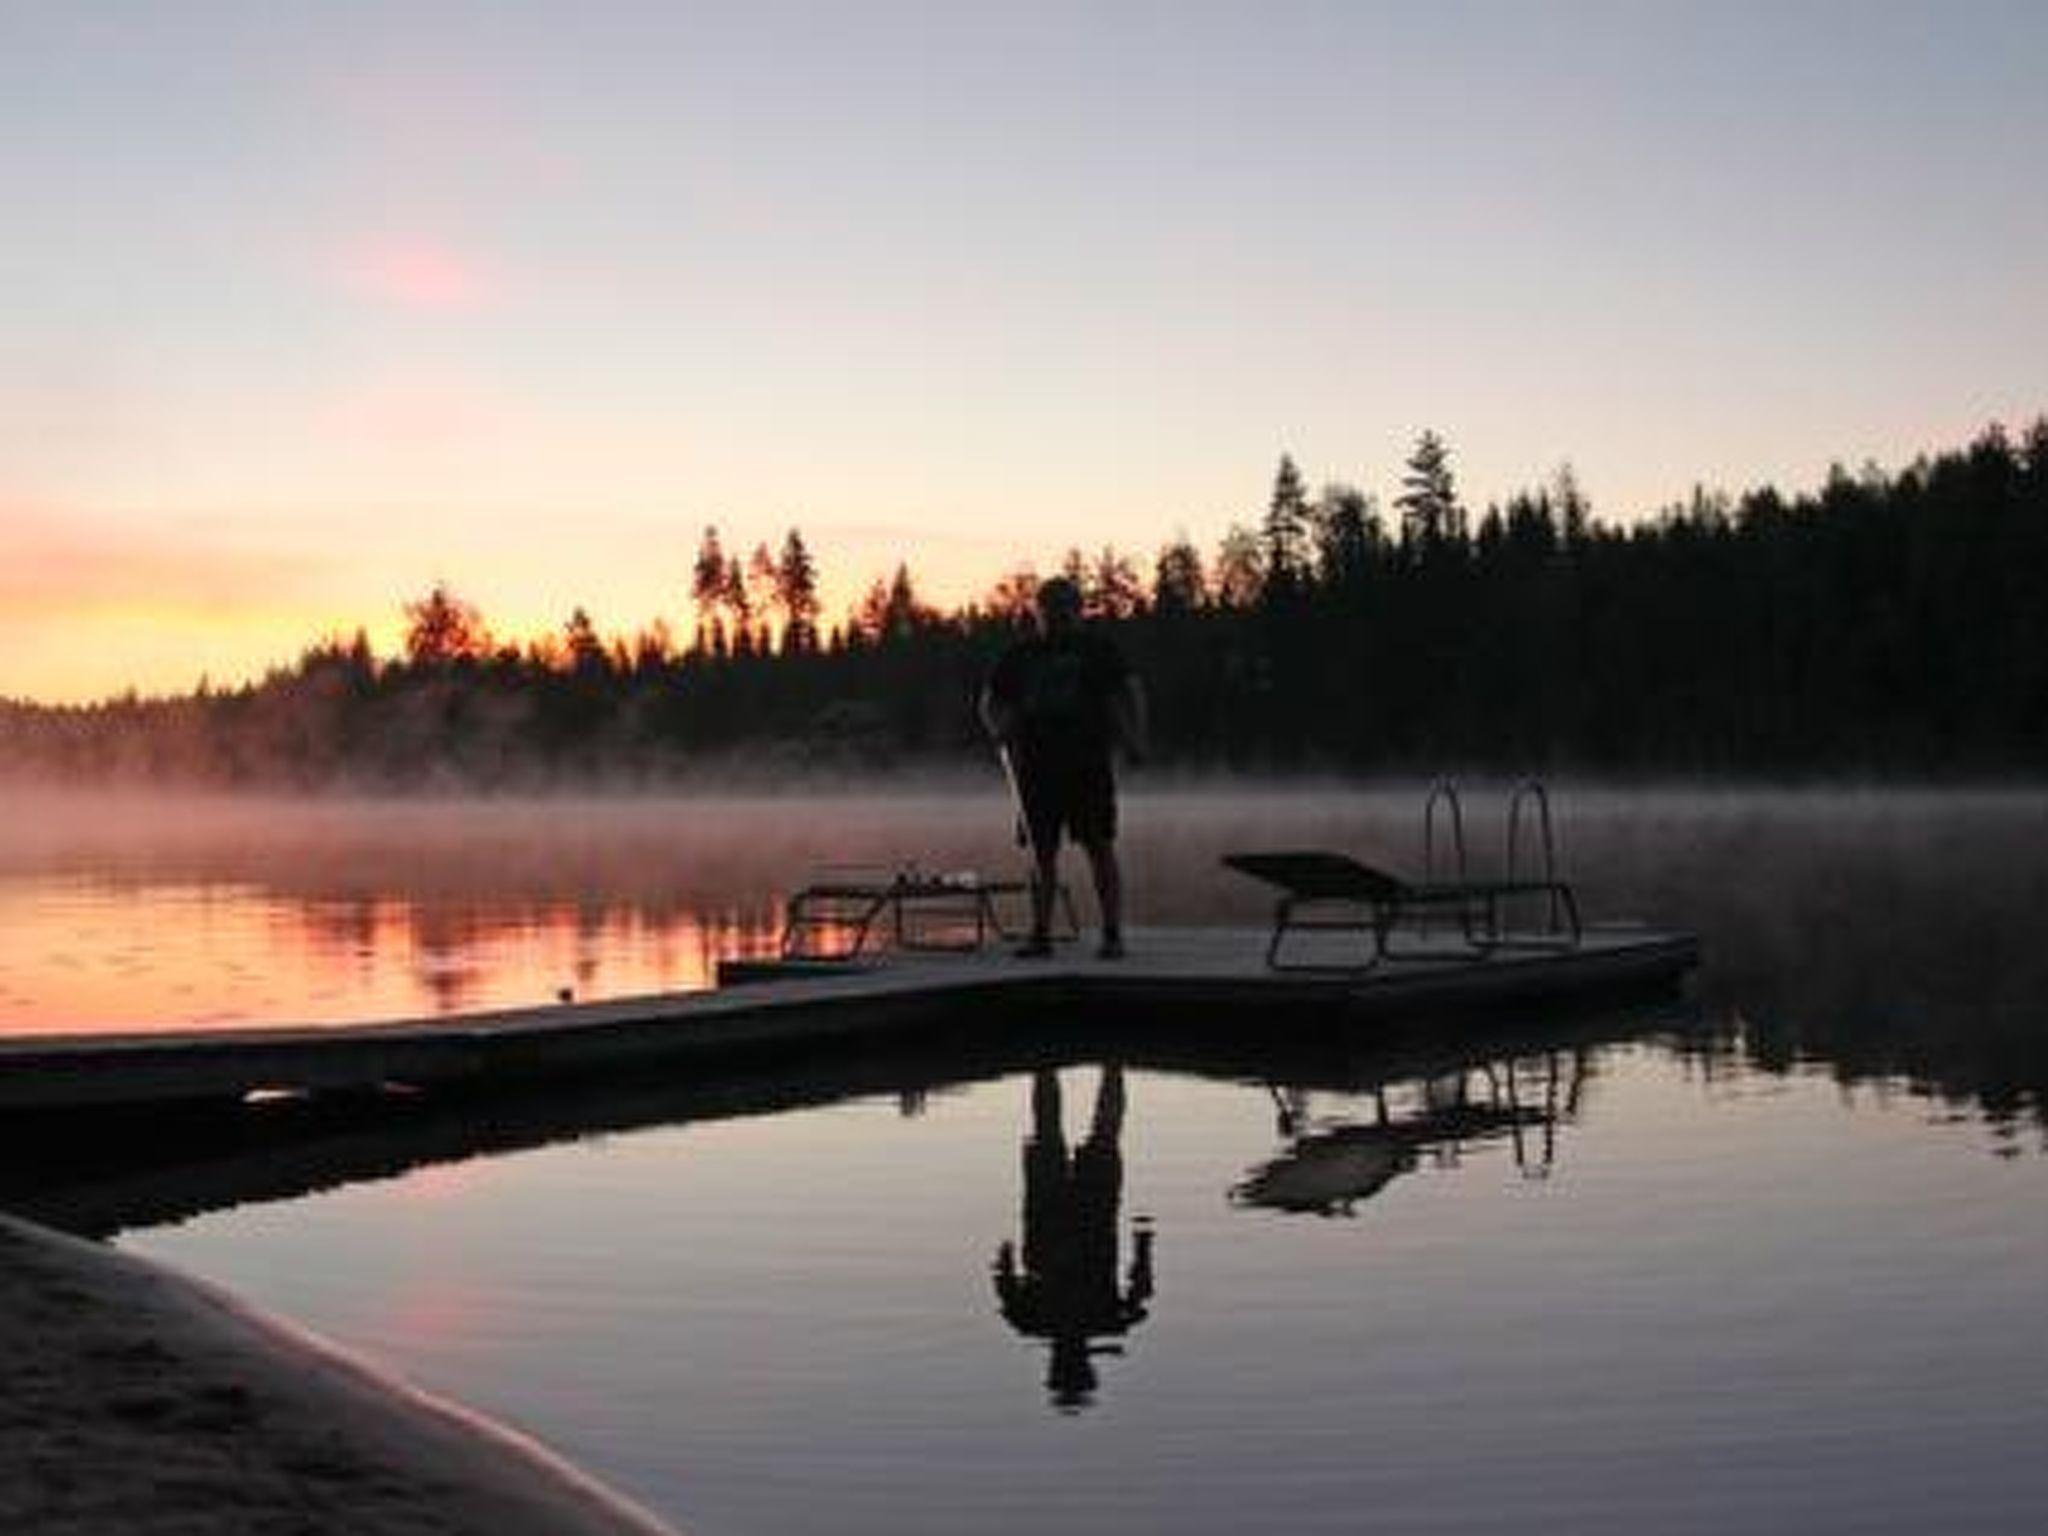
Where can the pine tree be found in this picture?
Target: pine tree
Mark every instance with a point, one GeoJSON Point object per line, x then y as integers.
{"type": "Point", "coordinates": [1014, 597]}
{"type": "Point", "coordinates": [1428, 503]}
{"type": "Point", "coordinates": [1114, 589]}
{"type": "Point", "coordinates": [441, 628]}
{"type": "Point", "coordinates": [796, 594]}
{"type": "Point", "coordinates": [903, 613]}
{"type": "Point", "coordinates": [707, 591]}
{"type": "Point", "coordinates": [1284, 533]}
{"type": "Point", "coordinates": [1178, 582]}
{"type": "Point", "coordinates": [1346, 527]}
{"type": "Point", "coordinates": [583, 651]}
{"type": "Point", "coordinates": [732, 589]}
{"type": "Point", "coordinates": [1240, 568]}
{"type": "Point", "coordinates": [1573, 512]}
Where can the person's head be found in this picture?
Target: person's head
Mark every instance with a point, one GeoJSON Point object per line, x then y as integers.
{"type": "Point", "coordinates": [1059, 605]}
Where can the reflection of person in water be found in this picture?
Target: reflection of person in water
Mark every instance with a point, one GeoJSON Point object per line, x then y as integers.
{"type": "Point", "coordinates": [1068, 1291]}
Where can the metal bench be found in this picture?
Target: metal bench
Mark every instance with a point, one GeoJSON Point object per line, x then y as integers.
{"type": "Point", "coordinates": [916, 909]}
{"type": "Point", "coordinates": [1332, 892]}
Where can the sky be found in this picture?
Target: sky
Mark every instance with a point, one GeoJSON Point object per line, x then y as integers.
{"type": "Point", "coordinates": [308, 306]}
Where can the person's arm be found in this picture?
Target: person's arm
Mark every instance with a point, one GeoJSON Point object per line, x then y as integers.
{"type": "Point", "coordinates": [998, 716]}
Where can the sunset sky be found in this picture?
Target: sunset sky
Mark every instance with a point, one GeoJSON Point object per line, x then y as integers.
{"type": "Point", "coordinates": [309, 305]}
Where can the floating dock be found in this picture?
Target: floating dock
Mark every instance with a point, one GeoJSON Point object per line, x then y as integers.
{"type": "Point", "coordinates": [788, 1010]}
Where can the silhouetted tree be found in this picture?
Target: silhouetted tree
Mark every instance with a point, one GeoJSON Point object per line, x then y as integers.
{"type": "Point", "coordinates": [1240, 568]}
{"type": "Point", "coordinates": [583, 650]}
{"type": "Point", "coordinates": [796, 594]}
{"type": "Point", "coordinates": [442, 628]}
{"type": "Point", "coordinates": [1178, 582]}
{"type": "Point", "coordinates": [707, 590]}
{"type": "Point", "coordinates": [890, 611]}
{"type": "Point", "coordinates": [734, 598]}
{"type": "Point", "coordinates": [1014, 597]}
{"type": "Point", "coordinates": [1113, 589]}
{"type": "Point", "coordinates": [1284, 535]}
{"type": "Point", "coordinates": [1346, 530]}
{"type": "Point", "coordinates": [1431, 516]}
{"type": "Point", "coordinates": [1574, 512]}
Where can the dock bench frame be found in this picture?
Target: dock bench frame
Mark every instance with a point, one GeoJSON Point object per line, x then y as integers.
{"type": "Point", "coordinates": [1333, 893]}
{"type": "Point", "coordinates": [858, 900]}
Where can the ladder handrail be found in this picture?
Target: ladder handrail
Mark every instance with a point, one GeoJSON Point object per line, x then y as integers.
{"type": "Point", "coordinates": [1531, 791]}
{"type": "Point", "coordinates": [1443, 791]}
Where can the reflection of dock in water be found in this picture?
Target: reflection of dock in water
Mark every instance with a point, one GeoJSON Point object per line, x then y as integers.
{"type": "Point", "coordinates": [1329, 1170]}
{"type": "Point", "coordinates": [100, 1171]}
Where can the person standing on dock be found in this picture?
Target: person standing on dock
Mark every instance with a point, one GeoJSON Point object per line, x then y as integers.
{"type": "Point", "coordinates": [1058, 705]}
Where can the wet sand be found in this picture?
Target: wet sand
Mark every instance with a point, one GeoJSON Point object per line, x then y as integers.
{"type": "Point", "coordinates": [141, 1401]}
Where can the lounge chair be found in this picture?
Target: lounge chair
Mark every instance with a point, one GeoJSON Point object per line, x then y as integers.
{"type": "Point", "coordinates": [1332, 892]}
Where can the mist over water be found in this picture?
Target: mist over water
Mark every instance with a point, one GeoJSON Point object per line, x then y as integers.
{"type": "Point", "coordinates": [1888, 933]}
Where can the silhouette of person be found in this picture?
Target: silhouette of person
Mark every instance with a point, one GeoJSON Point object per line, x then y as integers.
{"type": "Point", "coordinates": [1057, 703]}
{"type": "Point", "coordinates": [1067, 1290]}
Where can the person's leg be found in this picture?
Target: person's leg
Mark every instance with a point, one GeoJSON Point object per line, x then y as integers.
{"type": "Point", "coordinates": [1108, 1123]}
{"type": "Point", "coordinates": [1045, 884]}
{"type": "Point", "coordinates": [1093, 817]}
{"type": "Point", "coordinates": [1109, 893]}
{"type": "Point", "coordinates": [1039, 791]}
{"type": "Point", "coordinates": [1045, 1109]}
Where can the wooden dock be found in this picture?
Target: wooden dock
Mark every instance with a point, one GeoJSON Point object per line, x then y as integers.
{"type": "Point", "coordinates": [776, 1011]}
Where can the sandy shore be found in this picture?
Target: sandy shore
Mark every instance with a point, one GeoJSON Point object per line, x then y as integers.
{"type": "Point", "coordinates": [141, 1401]}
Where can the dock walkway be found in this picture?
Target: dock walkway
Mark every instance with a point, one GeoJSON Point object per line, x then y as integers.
{"type": "Point", "coordinates": [771, 1007]}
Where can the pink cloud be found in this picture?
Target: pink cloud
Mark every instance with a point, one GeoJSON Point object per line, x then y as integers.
{"type": "Point", "coordinates": [418, 273]}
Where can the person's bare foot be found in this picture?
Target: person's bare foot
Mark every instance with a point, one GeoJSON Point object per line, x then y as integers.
{"type": "Point", "coordinates": [1111, 947]}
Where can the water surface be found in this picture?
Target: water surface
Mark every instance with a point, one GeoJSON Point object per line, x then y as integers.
{"type": "Point", "coordinates": [1653, 1296]}
{"type": "Point", "coordinates": [1768, 1258]}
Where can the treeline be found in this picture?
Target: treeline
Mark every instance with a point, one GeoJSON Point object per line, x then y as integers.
{"type": "Point", "coordinates": [1887, 624]}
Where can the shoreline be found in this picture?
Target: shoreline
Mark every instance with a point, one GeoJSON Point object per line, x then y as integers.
{"type": "Point", "coordinates": [143, 1399]}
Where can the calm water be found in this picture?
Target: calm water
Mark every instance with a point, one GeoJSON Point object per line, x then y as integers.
{"type": "Point", "coordinates": [1675, 1299]}
{"type": "Point", "coordinates": [1770, 1258]}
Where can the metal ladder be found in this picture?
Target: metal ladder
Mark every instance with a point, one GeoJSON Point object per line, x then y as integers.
{"type": "Point", "coordinates": [1446, 860]}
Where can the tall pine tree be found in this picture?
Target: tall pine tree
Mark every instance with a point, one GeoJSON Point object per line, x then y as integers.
{"type": "Point", "coordinates": [1430, 513]}
{"type": "Point", "coordinates": [1284, 533]}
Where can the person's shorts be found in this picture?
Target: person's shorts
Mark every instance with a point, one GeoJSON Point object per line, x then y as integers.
{"type": "Point", "coordinates": [1074, 796]}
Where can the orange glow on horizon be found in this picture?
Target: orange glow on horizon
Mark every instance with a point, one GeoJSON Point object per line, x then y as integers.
{"type": "Point", "coordinates": [95, 647]}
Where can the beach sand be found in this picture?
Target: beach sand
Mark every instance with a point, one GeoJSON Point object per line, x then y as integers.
{"type": "Point", "coordinates": [138, 1400]}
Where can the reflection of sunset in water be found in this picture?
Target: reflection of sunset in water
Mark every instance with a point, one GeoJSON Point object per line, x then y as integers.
{"type": "Point", "coordinates": [80, 955]}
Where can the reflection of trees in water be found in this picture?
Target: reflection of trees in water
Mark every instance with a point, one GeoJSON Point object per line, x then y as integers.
{"type": "Point", "coordinates": [1333, 1163]}
{"type": "Point", "coordinates": [1067, 1289]}
{"type": "Point", "coordinates": [1892, 935]}
{"type": "Point", "coordinates": [450, 946]}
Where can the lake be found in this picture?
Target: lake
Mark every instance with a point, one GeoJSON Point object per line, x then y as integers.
{"type": "Point", "coordinates": [1768, 1256]}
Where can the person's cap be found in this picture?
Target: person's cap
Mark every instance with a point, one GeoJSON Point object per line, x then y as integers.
{"type": "Point", "coordinates": [1059, 596]}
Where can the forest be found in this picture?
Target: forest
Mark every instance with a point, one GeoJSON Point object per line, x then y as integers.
{"type": "Point", "coordinates": [1891, 625]}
